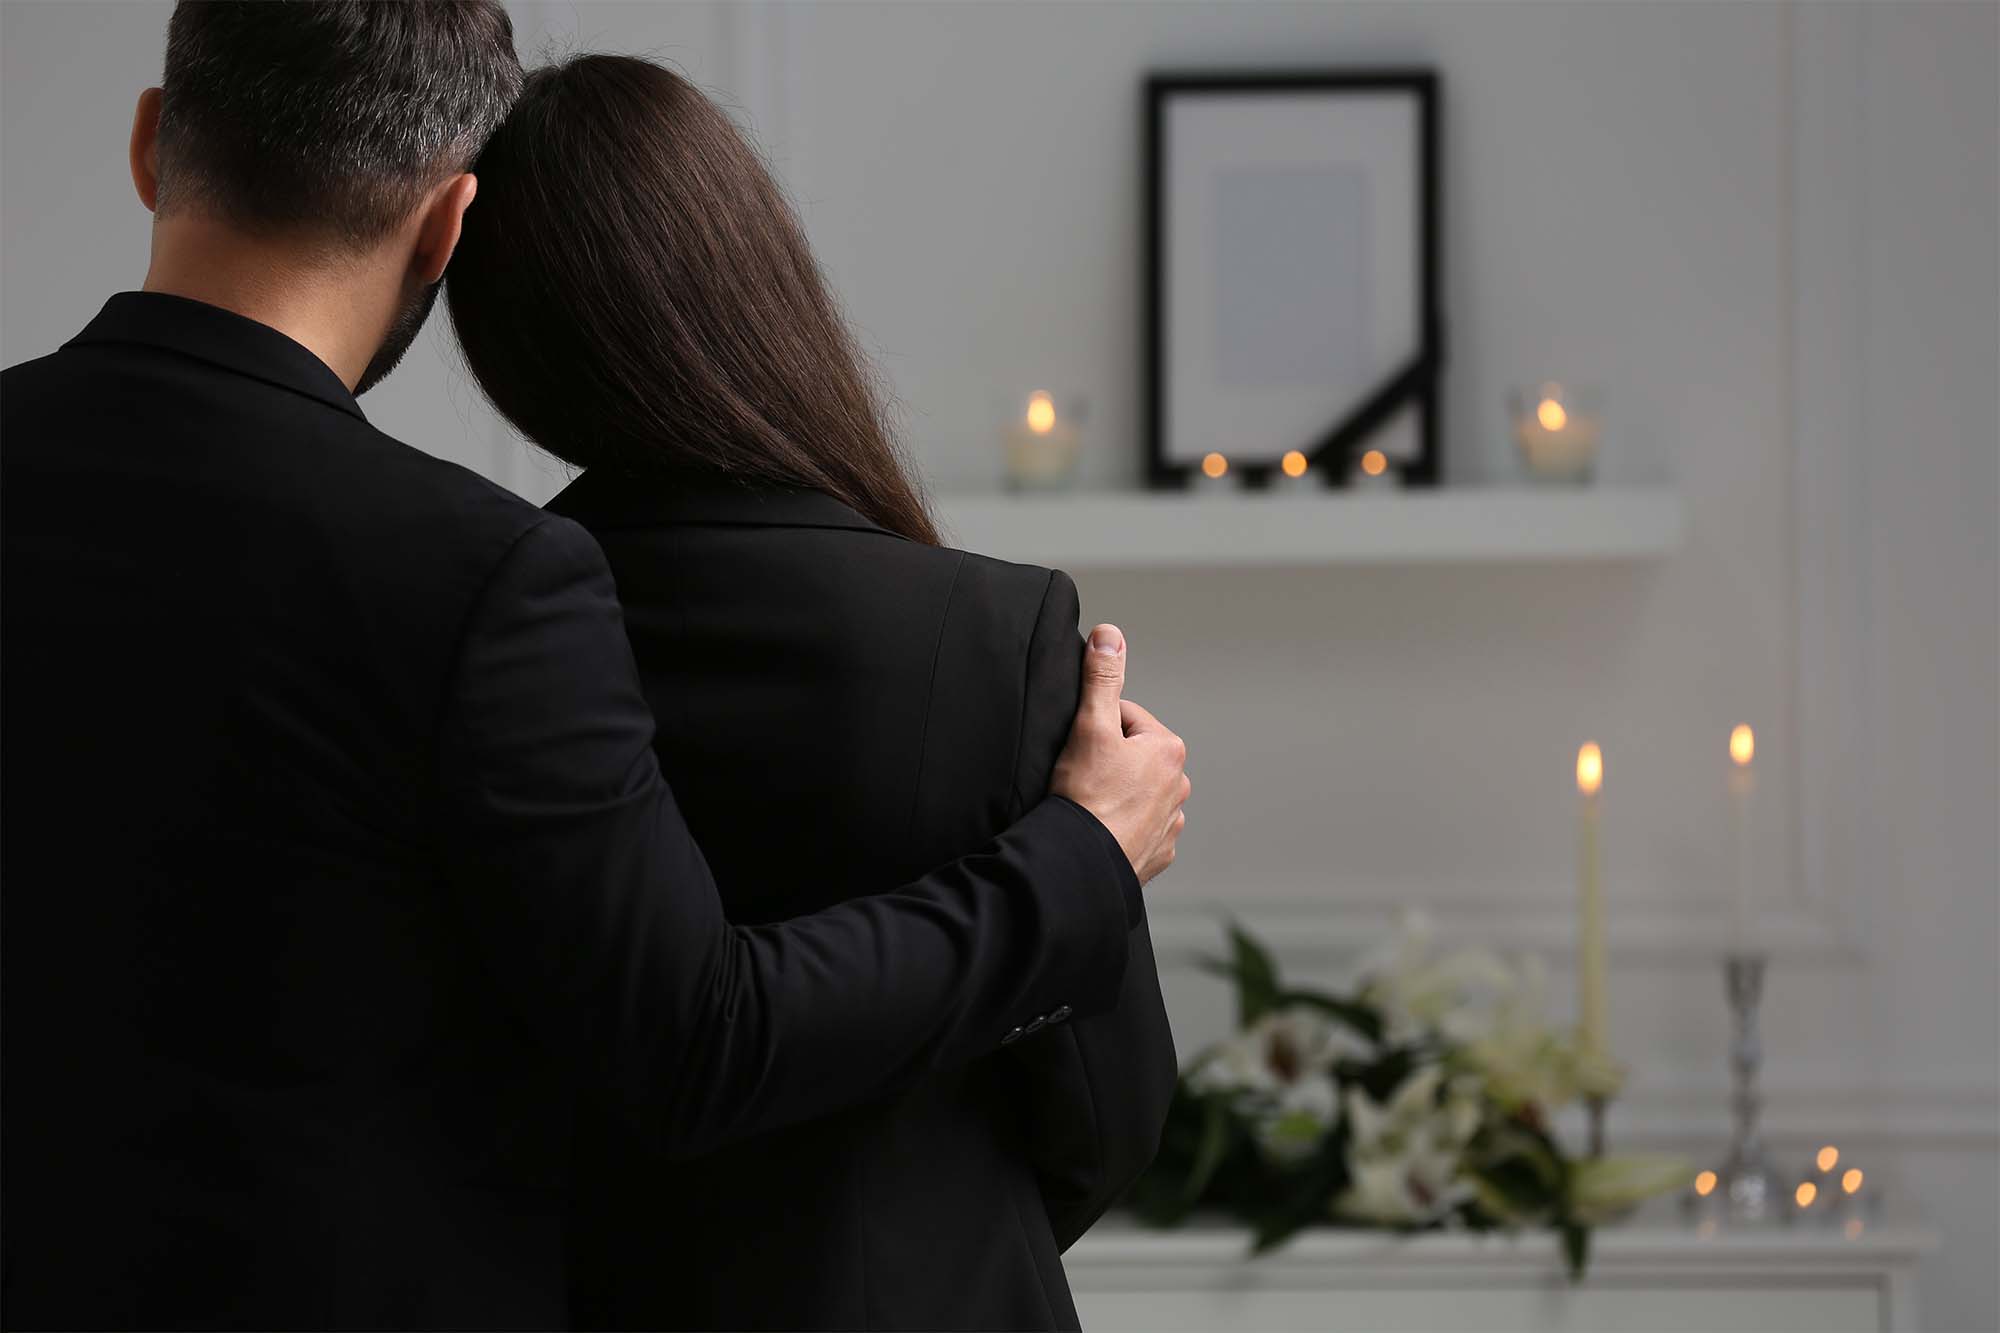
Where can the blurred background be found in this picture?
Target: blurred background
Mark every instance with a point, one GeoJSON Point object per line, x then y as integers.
{"type": "Point", "coordinates": [1765, 236]}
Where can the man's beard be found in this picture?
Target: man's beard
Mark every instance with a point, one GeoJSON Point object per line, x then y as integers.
{"type": "Point", "coordinates": [409, 323]}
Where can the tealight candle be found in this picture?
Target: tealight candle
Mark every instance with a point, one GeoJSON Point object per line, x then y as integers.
{"type": "Point", "coordinates": [1214, 476]}
{"type": "Point", "coordinates": [1294, 469]}
{"type": "Point", "coordinates": [1558, 431]}
{"type": "Point", "coordinates": [1042, 448]}
{"type": "Point", "coordinates": [1371, 472]}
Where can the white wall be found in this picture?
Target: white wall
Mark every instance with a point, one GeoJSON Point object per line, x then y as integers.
{"type": "Point", "coordinates": [1771, 233]}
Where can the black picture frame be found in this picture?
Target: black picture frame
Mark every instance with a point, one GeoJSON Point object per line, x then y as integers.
{"type": "Point", "coordinates": [1416, 384]}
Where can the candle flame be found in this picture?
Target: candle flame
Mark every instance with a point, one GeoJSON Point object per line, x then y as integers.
{"type": "Point", "coordinates": [1374, 462]}
{"type": "Point", "coordinates": [1551, 414]}
{"type": "Point", "coordinates": [1294, 464]}
{"type": "Point", "coordinates": [1041, 412]}
{"type": "Point", "coordinates": [1829, 1157]}
{"type": "Point", "coordinates": [1851, 1182]}
{"type": "Point", "coordinates": [1589, 768]}
{"type": "Point", "coordinates": [1214, 465]}
{"type": "Point", "coordinates": [1742, 745]}
{"type": "Point", "coordinates": [1704, 1184]}
{"type": "Point", "coordinates": [1807, 1192]}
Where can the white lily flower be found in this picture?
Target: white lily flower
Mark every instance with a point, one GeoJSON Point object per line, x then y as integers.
{"type": "Point", "coordinates": [1232, 1066]}
{"type": "Point", "coordinates": [1297, 1120]}
{"type": "Point", "coordinates": [1279, 1074]}
{"type": "Point", "coordinates": [1405, 1154]}
{"type": "Point", "coordinates": [1420, 995]}
{"type": "Point", "coordinates": [1280, 1049]}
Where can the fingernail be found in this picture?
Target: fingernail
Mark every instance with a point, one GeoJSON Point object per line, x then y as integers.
{"type": "Point", "coordinates": [1104, 640]}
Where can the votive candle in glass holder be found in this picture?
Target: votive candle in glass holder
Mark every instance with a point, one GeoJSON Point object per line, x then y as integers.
{"type": "Point", "coordinates": [1558, 430]}
{"type": "Point", "coordinates": [1044, 440]}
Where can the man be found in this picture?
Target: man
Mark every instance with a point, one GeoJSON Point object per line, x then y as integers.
{"type": "Point", "coordinates": [337, 862]}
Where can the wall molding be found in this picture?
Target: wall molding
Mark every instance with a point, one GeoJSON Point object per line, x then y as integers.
{"type": "Point", "coordinates": [1652, 932]}
{"type": "Point", "coordinates": [1798, 1116]}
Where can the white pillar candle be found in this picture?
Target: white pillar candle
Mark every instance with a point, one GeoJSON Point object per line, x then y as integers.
{"type": "Point", "coordinates": [1591, 980]}
{"type": "Point", "coordinates": [1742, 786]}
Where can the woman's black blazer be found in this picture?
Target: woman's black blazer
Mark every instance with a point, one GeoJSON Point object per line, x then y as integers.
{"type": "Point", "coordinates": [840, 708]}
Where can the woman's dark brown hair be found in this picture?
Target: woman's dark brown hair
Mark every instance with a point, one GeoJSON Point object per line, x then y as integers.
{"type": "Point", "coordinates": [633, 291]}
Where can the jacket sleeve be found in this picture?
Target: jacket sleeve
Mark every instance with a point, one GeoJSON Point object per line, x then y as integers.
{"type": "Point", "coordinates": [1093, 1091]}
{"type": "Point", "coordinates": [584, 893]}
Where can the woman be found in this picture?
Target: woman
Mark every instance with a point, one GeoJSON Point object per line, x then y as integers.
{"type": "Point", "coordinates": [633, 292]}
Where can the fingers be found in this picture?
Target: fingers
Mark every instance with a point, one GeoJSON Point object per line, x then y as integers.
{"type": "Point", "coordinates": [1103, 681]}
{"type": "Point", "coordinates": [1134, 719]}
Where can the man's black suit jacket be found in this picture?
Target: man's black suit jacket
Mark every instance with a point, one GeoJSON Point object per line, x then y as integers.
{"type": "Point", "coordinates": [337, 863]}
{"type": "Point", "coordinates": [782, 637]}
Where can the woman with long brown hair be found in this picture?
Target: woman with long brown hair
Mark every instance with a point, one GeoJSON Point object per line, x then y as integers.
{"type": "Point", "coordinates": [634, 293]}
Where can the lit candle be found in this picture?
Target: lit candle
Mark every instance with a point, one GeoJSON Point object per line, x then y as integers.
{"type": "Point", "coordinates": [1041, 450]}
{"type": "Point", "coordinates": [1742, 784]}
{"type": "Point", "coordinates": [1371, 472]}
{"type": "Point", "coordinates": [1557, 434]}
{"type": "Point", "coordinates": [1592, 1026]}
{"type": "Point", "coordinates": [1215, 478]}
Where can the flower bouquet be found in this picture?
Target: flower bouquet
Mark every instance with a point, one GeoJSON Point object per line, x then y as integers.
{"type": "Point", "coordinates": [1421, 1098]}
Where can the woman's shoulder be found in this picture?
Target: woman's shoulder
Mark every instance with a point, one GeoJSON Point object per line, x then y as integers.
{"type": "Point", "coordinates": [1023, 596]}
{"type": "Point", "coordinates": [1005, 679]}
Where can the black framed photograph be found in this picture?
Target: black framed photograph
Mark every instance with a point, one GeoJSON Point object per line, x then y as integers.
{"type": "Point", "coordinates": [1292, 276]}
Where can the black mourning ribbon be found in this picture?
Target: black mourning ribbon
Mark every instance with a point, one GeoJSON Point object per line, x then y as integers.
{"type": "Point", "coordinates": [1332, 454]}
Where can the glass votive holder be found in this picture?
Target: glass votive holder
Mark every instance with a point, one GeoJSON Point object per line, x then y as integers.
{"type": "Point", "coordinates": [1043, 439]}
{"type": "Point", "coordinates": [1557, 429]}
{"type": "Point", "coordinates": [1847, 1195]}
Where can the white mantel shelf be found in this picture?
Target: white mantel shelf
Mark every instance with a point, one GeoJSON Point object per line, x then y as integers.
{"type": "Point", "coordinates": [1146, 530]}
{"type": "Point", "coordinates": [1652, 1277]}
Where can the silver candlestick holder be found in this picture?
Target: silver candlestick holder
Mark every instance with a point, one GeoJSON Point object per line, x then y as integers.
{"type": "Point", "coordinates": [1748, 1182]}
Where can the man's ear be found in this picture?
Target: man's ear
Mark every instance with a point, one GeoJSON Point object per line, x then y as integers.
{"type": "Point", "coordinates": [437, 234]}
{"type": "Point", "coordinates": [145, 149]}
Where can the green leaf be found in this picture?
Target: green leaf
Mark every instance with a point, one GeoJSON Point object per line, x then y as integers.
{"type": "Point", "coordinates": [1156, 1194]}
{"type": "Point", "coordinates": [1257, 988]}
{"type": "Point", "coordinates": [1275, 1231]}
{"type": "Point", "coordinates": [1576, 1249]}
{"type": "Point", "coordinates": [1524, 1162]}
{"type": "Point", "coordinates": [1362, 1018]}
{"type": "Point", "coordinates": [1286, 1204]}
{"type": "Point", "coordinates": [1515, 1183]}
{"type": "Point", "coordinates": [1208, 1155]}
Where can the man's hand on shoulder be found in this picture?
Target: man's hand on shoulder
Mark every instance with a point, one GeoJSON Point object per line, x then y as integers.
{"type": "Point", "coordinates": [1122, 764]}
